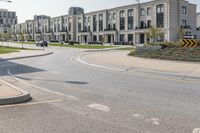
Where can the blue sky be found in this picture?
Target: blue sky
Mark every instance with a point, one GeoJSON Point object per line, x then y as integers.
{"type": "Point", "coordinates": [27, 8]}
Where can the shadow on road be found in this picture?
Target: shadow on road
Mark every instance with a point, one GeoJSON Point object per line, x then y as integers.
{"type": "Point", "coordinates": [49, 80]}
{"type": "Point", "coordinates": [15, 68]}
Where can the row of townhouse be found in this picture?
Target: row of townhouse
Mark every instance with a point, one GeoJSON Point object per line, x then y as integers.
{"type": "Point", "coordinates": [125, 24]}
{"type": "Point", "coordinates": [7, 18]}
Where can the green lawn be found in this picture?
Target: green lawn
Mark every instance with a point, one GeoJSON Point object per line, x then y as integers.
{"type": "Point", "coordinates": [6, 50]}
{"type": "Point", "coordinates": [89, 46]}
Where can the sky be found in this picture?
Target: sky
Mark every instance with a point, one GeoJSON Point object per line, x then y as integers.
{"type": "Point", "coordinates": [26, 9]}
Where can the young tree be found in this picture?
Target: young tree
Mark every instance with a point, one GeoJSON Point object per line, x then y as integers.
{"type": "Point", "coordinates": [180, 32]}
{"type": "Point", "coordinates": [153, 33]}
{"type": "Point", "coordinates": [22, 38]}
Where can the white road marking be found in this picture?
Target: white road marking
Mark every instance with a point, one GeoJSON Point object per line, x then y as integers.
{"type": "Point", "coordinates": [154, 121]}
{"type": "Point", "coordinates": [196, 130]}
{"type": "Point", "coordinates": [99, 107]}
{"type": "Point", "coordinates": [43, 89]}
{"type": "Point", "coordinates": [54, 72]}
{"type": "Point", "coordinates": [78, 59]}
{"type": "Point", "coordinates": [31, 103]}
{"type": "Point", "coordinates": [139, 116]}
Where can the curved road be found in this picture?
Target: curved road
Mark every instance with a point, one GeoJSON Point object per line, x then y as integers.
{"type": "Point", "coordinates": [69, 97]}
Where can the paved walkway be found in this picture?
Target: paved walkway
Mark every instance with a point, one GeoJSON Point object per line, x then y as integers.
{"type": "Point", "coordinates": [120, 59]}
{"type": "Point", "coordinates": [7, 91]}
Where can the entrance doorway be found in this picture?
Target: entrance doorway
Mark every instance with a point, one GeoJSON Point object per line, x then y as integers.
{"type": "Point", "coordinates": [141, 38]}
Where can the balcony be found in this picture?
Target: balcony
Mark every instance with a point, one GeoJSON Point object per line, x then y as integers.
{"type": "Point", "coordinates": [110, 29]}
{"type": "Point", "coordinates": [186, 27]}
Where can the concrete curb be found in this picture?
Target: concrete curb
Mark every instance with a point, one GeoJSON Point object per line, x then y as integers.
{"type": "Point", "coordinates": [157, 72]}
{"type": "Point", "coordinates": [105, 49]}
{"type": "Point", "coordinates": [23, 57]}
{"type": "Point", "coordinates": [24, 97]}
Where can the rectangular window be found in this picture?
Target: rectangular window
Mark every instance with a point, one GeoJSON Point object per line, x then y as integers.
{"type": "Point", "coordinates": [160, 16]}
{"type": "Point", "coordinates": [94, 23]}
{"type": "Point", "coordinates": [130, 13]}
{"type": "Point", "coordinates": [101, 22]}
{"type": "Point", "coordinates": [130, 19]}
{"type": "Point", "coordinates": [122, 37]}
{"type": "Point", "coordinates": [184, 23]}
{"type": "Point", "coordinates": [114, 15]}
{"type": "Point", "coordinates": [149, 11]}
{"type": "Point", "coordinates": [184, 10]}
{"type": "Point", "coordinates": [79, 24]}
{"type": "Point", "coordinates": [122, 20]}
{"type": "Point", "coordinates": [142, 12]}
{"type": "Point", "coordinates": [130, 37]}
{"type": "Point", "coordinates": [109, 16]}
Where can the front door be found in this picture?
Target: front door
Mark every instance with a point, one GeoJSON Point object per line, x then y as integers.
{"type": "Point", "coordinates": [141, 38]}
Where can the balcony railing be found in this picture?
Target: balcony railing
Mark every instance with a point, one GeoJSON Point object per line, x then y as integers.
{"type": "Point", "coordinates": [186, 27]}
{"type": "Point", "coordinates": [110, 29]}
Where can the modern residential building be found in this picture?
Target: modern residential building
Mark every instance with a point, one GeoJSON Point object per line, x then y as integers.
{"type": "Point", "coordinates": [119, 25]}
{"type": "Point", "coordinates": [7, 18]}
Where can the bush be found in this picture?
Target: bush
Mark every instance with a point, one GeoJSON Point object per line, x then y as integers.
{"type": "Point", "coordinates": [164, 44]}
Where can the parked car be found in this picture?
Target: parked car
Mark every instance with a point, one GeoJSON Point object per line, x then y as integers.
{"type": "Point", "coordinates": [42, 44]}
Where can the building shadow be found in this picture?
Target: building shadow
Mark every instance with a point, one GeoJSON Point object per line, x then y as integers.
{"type": "Point", "coordinates": [16, 68]}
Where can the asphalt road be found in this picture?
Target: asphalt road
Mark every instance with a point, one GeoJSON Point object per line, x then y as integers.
{"type": "Point", "coordinates": [69, 97]}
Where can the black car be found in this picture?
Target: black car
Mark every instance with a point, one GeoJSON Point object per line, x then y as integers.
{"type": "Point", "coordinates": [42, 44]}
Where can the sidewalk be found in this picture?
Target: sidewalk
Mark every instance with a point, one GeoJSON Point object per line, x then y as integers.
{"type": "Point", "coordinates": [10, 94]}
{"type": "Point", "coordinates": [24, 54]}
{"type": "Point", "coordinates": [120, 59]}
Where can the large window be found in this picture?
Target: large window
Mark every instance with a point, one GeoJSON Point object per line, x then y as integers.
{"type": "Point", "coordinates": [160, 16]}
{"type": "Point", "coordinates": [130, 19]}
{"type": "Point", "coordinates": [70, 24]}
{"type": "Point", "coordinates": [101, 22]}
{"type": "Point", "coordinates": [122, 20]}
{"type": "Point", "coordinates": [94, 23]}
{"type": "Point", "coordinates": [79, 24]}
{"type": "Point", "coordinates": [130, 37]}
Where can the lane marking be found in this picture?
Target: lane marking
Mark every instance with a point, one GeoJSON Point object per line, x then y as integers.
{"type": "Point", "coordinates": [196, 130]}
{"type": "Point", "coordinates": [154, 121]}
{"type": "Point", "coordinates": [31, 103]}
{"type": "Point", "coordinates": [78, 59]}
{"type": "Point", "coordinates": [40, 88]}
{"type": "Point", "coordinates": [99, 107]}
{"type": "Point", "coordinates": [54, 72]}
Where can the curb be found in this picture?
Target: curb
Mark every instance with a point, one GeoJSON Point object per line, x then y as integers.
{"type": "Point", "coordinates": [105, 49]}
{"type": "Point", "coordinates": [23, 57]}
{"type": "Point", "coordinates": [24, 97]}
{"type": "Point", "coordinates": [164, 73]}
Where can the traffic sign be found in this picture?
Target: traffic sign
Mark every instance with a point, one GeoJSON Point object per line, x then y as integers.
{"type": "Point", "coordinates": [189, 36]}
{"type": "Point", "coordinates": [189, 43]}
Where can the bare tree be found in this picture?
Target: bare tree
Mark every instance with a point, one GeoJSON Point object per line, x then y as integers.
{"type": "Point", "coordinates": [153, 33]}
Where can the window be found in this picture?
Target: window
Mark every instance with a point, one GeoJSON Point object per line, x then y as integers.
{"type": "Point", "coordinates": [130, 19]}
{"type": "Point", "coordinates": [130, 37]}
{"type": "Point", "coordinates": [70, 24]}
{"type": "Point", "coordinates": [122, 20]}
{"type": "Point", "coordinates": [149, 11]}
{"type": "Point", "coordinates": [160, 16]}
{"type": "Point", "coordinates": [94, 23]}
{"type": "Point", "coordinates": [114, 15]}
{"type": "Point", "coordinates": [130, 13]}
{"type": "Point", "coordinates": [184, 10]}
{"type": "Point", "coordinates": [122, 37]}
{"type": "Point", "coordinates": [101, 22]}
{"type": "Point", "coordinates": [142, 13]}
{"type": "Point", "coordinates": [160, 8]}
{"type": "Point", "coordinates": [148, 23]}
{"type": "Point", "coordinates": [184, 23]}
{"type": "Point", "coordinates": [94, 38]}
{"type": "Point", "coordinates": [79, 24]}
{"type": "Point", "coordinates": [109, 16]}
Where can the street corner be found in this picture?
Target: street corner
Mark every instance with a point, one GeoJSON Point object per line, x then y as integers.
{"type": "Point", "coordinates": [10, 94]}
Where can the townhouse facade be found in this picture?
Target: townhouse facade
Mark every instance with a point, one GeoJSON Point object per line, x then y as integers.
{"type": "Point", "coordinates": [120, 25]}
{"type": "Point", "coordinates": [7, 18]}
